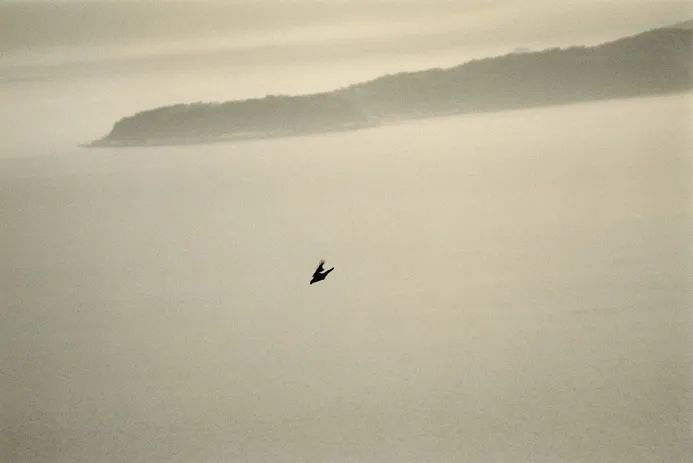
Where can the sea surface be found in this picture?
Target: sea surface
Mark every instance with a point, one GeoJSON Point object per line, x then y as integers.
{"type": "Point", "coordinates": [508, 287]}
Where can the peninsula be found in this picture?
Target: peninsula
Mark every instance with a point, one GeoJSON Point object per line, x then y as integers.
{"type": "Point", "coordinates": [654, 62]}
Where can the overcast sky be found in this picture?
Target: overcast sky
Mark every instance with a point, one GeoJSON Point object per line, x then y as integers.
{"type": "Point", "coordinates": [35, 31]}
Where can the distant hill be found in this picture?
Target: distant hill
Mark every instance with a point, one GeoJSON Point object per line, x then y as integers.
{"type": "Point", "coordinates": [654, 62]}
{"type": "Point", "coordinates": [683, 25]}
{"type": "Point", "coordinates": [256, 118]}
{"type": "Point", "coordinates": [520, 50]}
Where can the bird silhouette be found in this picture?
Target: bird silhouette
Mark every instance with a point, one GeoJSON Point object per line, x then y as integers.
{"type": "Point", "coordinates": [320, 273]}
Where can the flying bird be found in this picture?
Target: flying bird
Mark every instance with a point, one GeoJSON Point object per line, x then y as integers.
{"type": "Point", "coordinates": [320, 273]}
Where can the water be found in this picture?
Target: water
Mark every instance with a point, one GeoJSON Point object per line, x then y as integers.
{"type": "Point", "coordinates": [508, 287]}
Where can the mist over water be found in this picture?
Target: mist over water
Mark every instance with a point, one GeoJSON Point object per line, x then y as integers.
{"type": "Point", "coordinates": [511, 286]}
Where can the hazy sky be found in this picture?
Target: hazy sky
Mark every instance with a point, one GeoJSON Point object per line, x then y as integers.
{"type": "Point", "coordinates": [510, 286]}
{"type": "Point", "coordinates": [35, 31]}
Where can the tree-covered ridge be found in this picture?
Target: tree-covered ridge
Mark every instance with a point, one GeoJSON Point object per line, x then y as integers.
{"type": "Point", "coordinates": [276, 114]}
{"type": "Point", "coordinates": [650, 63]}
{"type": "Point", "coordinates": [654, 62]}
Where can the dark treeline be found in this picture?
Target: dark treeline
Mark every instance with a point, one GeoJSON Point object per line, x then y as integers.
{"type": "Point", "coordinates": [650, 63]}
{"type": "Point", "coordinates": [257, 117]}
{"type": "Point", "coordinates": [654, 62]}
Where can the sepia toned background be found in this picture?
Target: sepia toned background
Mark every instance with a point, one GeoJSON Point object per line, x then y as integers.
{"type": "Point", "coordinates": [511, 286]}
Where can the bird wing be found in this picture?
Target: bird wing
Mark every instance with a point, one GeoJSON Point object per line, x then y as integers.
{"type": "Point", "coordinates": [320, 268]}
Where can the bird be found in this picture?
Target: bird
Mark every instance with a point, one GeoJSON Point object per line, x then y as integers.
{"type": "Point", "coordinates": [320, 273]}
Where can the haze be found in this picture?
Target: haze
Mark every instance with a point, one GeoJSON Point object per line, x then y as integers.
{"type": "Point", "coordinates": [511, 286]}
{"type": "Point", "coordinates": [98, 30]}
